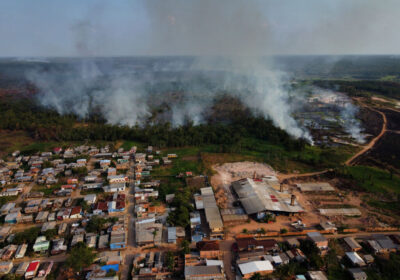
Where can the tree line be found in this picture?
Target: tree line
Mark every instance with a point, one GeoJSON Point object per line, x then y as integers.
{"type": "Point", "coordinates": [47, 124]}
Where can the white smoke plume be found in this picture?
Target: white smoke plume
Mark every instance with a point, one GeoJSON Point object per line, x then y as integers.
{"type": "Point", "coordinates": [350, 122]}
{"type": "Point", "coordinates": [347, 111]}
{"type": "Point", "coordinates": [230, 40]}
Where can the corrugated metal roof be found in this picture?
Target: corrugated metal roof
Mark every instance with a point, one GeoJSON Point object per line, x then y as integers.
{"type": "Point", "coordinates": [260, 196]}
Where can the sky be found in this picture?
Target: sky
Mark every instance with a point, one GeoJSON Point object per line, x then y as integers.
{"type": "Point", "coordinates": [46, 28]}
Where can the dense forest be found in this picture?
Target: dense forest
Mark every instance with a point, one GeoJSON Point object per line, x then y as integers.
{"type": "Point", "coordinates": [46, 124]}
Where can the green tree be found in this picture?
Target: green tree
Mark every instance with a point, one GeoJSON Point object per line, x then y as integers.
{"type": "Point", "coordinates": [80, 257]}
{"type": "Point", "coordinates": [256, 276]}
{"type": "Point", "coordinates": [185, 249]}
{"type": "Point", "coordinates": [170, 261]}
{"type": "Point", "coordinates": [95, 224]}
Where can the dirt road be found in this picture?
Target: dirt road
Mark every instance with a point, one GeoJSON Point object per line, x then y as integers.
{"type": "Point", "coordinates": [369, 146]}
{"type": "Point", "coordinates": [226, 248]}
{"type": "Point", "coordinates": [282, 177]}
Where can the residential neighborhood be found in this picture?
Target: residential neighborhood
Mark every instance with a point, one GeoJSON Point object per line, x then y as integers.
{"type": "Point", "coordinates": [108, 203]}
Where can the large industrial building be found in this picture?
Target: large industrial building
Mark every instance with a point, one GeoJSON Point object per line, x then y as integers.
{"type": "Point", "coordinates": [258, 197]}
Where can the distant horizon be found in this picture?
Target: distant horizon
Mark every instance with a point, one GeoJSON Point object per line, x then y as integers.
{"type": "Point", "coordinates": [121, 28]}
{"type": "Point", "coordinates": [194, 55]}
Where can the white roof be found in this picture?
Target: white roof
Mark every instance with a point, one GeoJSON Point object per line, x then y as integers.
{"type": "Point", "coordinates": [214, 262]}
{"type": "Point", "coordinates": [252, 267]}
{"type": "Point", "coordinates": [355, 258]}
{"type": "Point", "coordinates": [277, 259]}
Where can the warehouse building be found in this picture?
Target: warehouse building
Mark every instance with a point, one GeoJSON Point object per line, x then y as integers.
{"type": "Point", "coordinates": [258, 197]}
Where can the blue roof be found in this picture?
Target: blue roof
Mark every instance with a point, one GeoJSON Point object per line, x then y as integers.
{"type": "Point", "coordinates": [114, 267]}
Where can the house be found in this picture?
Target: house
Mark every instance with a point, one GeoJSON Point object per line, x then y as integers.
{"type": "Point", "coordinates": [72, 181]}
{"type": "Point", "coordinates": [103, 241]}
{"type": "Point", "coordinates": [105, 163]}
{"type": "Point", "coordinates": [212, 213]}
{"type": "Point", "coordinates": [296, 255]}
{"type": "Point", "coordinates": [374, 246]}
{"type": "Point", "coordinates": [4, 232]}
{"type": "Point", "coordinates": [109, 257]}
{"type": "Point", "coordinates": [316, 275]}
{"type": "Point", "coordinates": [116, 179]}
{"type": "Point", "coordinates": [118, 240]}
{"type": "Point", "coordinates": [48, 226]}
{"type": "Point", "coordinates": [112, 206]}
{"type": "Point", "coordinates": [90, 199]}
{"type": "Point", "coordinates": [386, 243]}
{"type": "Point", "coordinates": [247, 244]}
{"type": "Point", "coordinates": [209, 249]}
{"type": "Point", "coordinates": [6, 208]}
{"type": "Point", "coordinates": [68, 187]}
{"type": "Point", "coordinates": [169, 198]}
{"type": "Point", "coordinates": [58, 246]}
{"type": "Point", "coordinates": [248, 269]}
{"type": "Point", "coordinates": [293, 242]}
{"type": "Point", "coordinates": [318, 239]}
{"type": "Point", "coordinates": [42, 217]}
{"type": "Point", "coordinates": [115, 187]}
{"type": "Point", "coordinates": [91, 240]}
{"type": "Point", "coordinates": [90, 179]}
{"type": "Point", "coordinates": [358, 274]}
{"type": "Point", "coordinates": [369, 259]}
{"type": "Point", "coordinates": [20, 253]}
{"type": "Point", "coordinates": [100, 208]}
{"type": "Point", "coordinates": [111, 172]}
{"type": "Point", "coordinates": [51, 217]}
{"type": "Point", "coordinates": [32, 269]}
{"type": "Point", "coordinates": [76, 212]}
{"type": "Point", "coordinates": [355, 259]}
{"type": "Point", "coordinates": [81, 161]}
{"type": "Point", "coordinates": [62, 228]}
{"type": "Point", "coordinates": [120, 206]}
{"type": "Point", "coordinates": [147, 233]}
{"type": "Point", "coordinates": [21, 269]}
{"type": "Point", "coordinates": [63, 214]}
{"type": "Point", "coordinates": [76, 239]}
{"type": "Point", "coordinates": [45, 269]}
{"type": "Point", "coordinates": [41, 244]}
{"type": "Point", "coordinates": [5, 267]}
{"type": "Point", "coordinates": [8, 252]}
{"type": "Point", "coordinates": [352, 244]}
{"type": "Point", "coordinates": [57, 150]}
{"type": "Point", "coordinates": [12, 218]}
{"type": "Point", "coordinates": [214, 272]}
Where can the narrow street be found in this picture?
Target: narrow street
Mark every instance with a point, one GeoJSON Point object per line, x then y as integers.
{"type": "Point", "coordinates": [226, 249]}
{"type": "Point", "coordinates": [128, 254]}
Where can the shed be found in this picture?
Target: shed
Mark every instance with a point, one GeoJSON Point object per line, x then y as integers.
{"type": "Point", "coordinates": [355, 259]}
{"type": "Point", "coordinates": [358, 274]}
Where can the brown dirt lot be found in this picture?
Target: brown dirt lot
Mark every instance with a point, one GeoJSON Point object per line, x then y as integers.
{"type": "Point", "coordinates": [342, 198]}
{"type": "Point", "coordinates": [229, 172]}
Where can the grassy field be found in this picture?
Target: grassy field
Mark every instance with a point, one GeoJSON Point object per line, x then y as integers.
{"type": "Point", "coordinates": [200, 160]}
{"type": "Point", "coordinates": [13, 140]}
{"type": "Point", "coordinates": [129, 144]}
{"type": "Point", "coordinates": [47, 191]}
{"type": "Point", "coordinates": [373, 179]}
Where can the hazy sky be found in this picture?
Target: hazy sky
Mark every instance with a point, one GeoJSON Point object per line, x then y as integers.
{"type": "Point", "coordinates": [198, 27]}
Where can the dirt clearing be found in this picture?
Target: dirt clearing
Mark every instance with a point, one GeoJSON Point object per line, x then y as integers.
{"type": "Point", "coordinates": [229, 172]}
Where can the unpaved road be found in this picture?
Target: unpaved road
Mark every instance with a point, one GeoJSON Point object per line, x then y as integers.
{"type": "Point", "coordinates": [282, 177]}
{"type": "Point", "coordinates": [369, 146]}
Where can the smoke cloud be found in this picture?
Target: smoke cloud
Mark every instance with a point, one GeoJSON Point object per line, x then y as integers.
{"type": "Point", "coordinates": [231, 38]}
